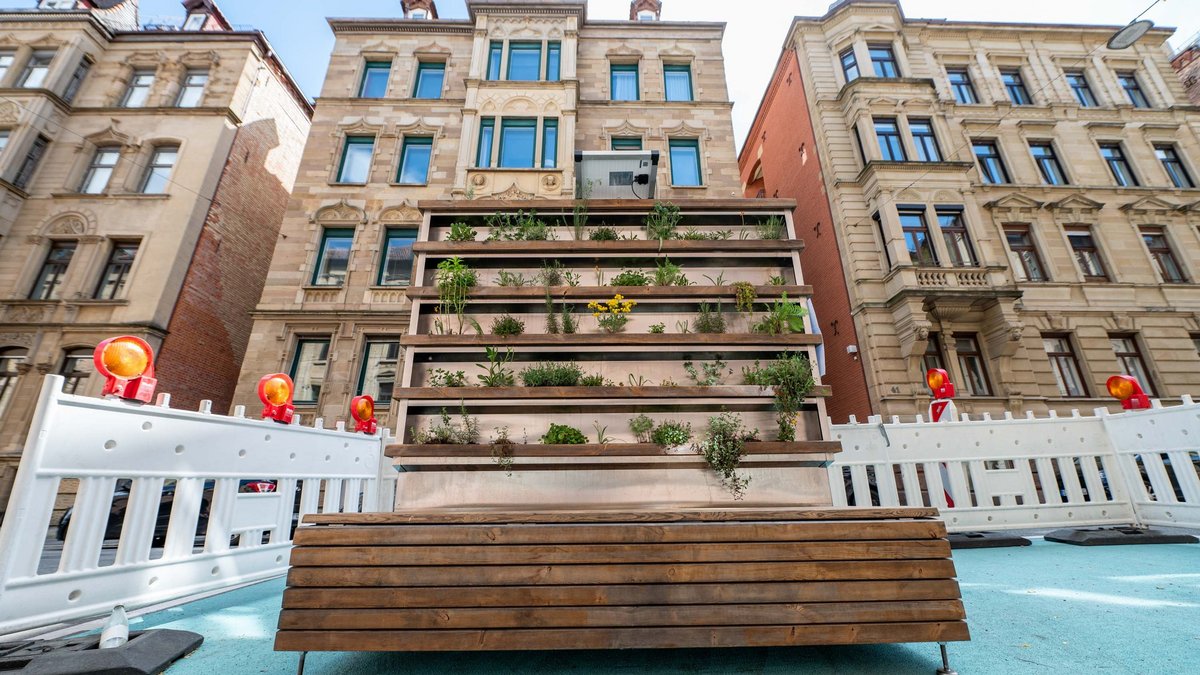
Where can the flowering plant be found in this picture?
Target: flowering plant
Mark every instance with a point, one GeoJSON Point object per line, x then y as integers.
{"type": "Point", "coordinates": [612, 315]}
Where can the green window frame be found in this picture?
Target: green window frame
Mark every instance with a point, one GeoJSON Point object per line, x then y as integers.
{"type": "Point", "coordinates": [686, 170]}
{"type": "Point", "coordinates": [415, 156]}
{"type": "Point", "coordinates": [519, 67]}
{"type": "Point", "coordinates": [377, 354]}
{"type": "Point", "coordinates": [495, 58]}
{"type": "Point", "coordinates": [677, 82]}
{"type": "Point", "coordinates": [518, 141]}
{"type": "Point", "coordinates": [396, 262]}
{"type": "Point", "coordinates": [311, 354]}
{"type": "Point", "coordinates": [553, 61]}
{"type": "Point", "coordinates": [619, 75]}
{"type": "Point", "coordinates": [431, 79]}
{"type": "Point", "coordinates": [333, 257]}
{"type": "Point", "coordinates": [355, 165]}
{"type": "Point", "coordinates": [626, 143]}
{"type": "Point", "coordinates": [487, 138]}
{"type": "Point", "coordinates": [375, 79]}
{"type": "Point", "coordinates": [550, 144]}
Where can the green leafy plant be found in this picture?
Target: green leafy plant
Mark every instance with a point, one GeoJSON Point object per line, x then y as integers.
{"type": "Point", "coordinates": [511, 279]}
{"type": "Point", "coordinates": [723, 446]}
{"type": "Point", "coordinates": [791, 377]}
{"type": "Point", "coordinates": [630, 278]}
{"type": "Point", "coordinates": [771, 228]}
{"type": "Point", "coordinates": [602, 436]}
{"type": "Point", "coordinates": [551, 274]}
{"type": "Point", "coordinates": [708, 374]}
{"type": "Point", "coordinates": [641, 426]}
{"type": "Point", "coordinates": [579, 211]}
{"type": "Point", "coordinates": [519, 226]}
{"type": "Point", "coordinates": [507, 325]}
{"type": "Point", "coordinates": [782, 317]}
{"type": "Point", "coordinates": [670, 434]}
{"type": "Point", "coordinates": [777, 280]}
{"type": "Point", "coordinates": [572, 279]}
{"type": "Point", "coordinates": [454, 280]}
{"type": "Point", "coordinates": [638, 380]}
{"type": "Point", "coordinates": [662, 221]}
{"type": "Point", "coordinates": [710, 319]}
{"type": "Point", "coordinates": [683, 326]}
{"type": "Point", "coordinates": [502, 450]}
{"type": "Point", "coordinates": [669, 274]}
{"type": "Point", "coordinates": [658, 328]}
{"type": "Point", "coordinates": [593, 380]}
{"type": "Point", "coordinates": [448, 431]}
{"type": "Point", "coordinates": [718, 281]}
{"type": "Point", "coordinates": [552, 375]}
{"type": "Point", "coordinates": [612, 315]}
{"type": "Point", "coordinates": [461, 231]}
{"type": "Point", "coordinates": [570, 325]}
{"type": "Point", "coordinates": [552, 327]}
{"type": "Point", "coordinates": [692, 234]}
{"type": "Point", "coordinates": [439, 377]}
{"type": "Point", "coordinates": [745, 296]}
{"type": "Point", "coordinates": [562, 434]}
{"type": "Point", "coordinates": [603, 233]}
{"type": "Point", "coordinates": [497, 374]}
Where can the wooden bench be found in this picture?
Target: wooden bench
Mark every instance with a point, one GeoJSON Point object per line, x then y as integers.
{"type": "Point", "coordinates": [614, 579]}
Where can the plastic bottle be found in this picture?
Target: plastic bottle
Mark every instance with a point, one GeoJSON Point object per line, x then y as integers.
{"type": "Point", "coordinates": [116, 629]}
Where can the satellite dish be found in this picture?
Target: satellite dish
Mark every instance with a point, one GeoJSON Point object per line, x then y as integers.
{"type": "Point", "coordinates": [1124, 38]}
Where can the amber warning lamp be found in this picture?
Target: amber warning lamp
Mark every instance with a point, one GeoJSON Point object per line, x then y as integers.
{"type": "Point", "coordinates": [362, 408]}
{"type": "Point", "coordinates": [127, 364]}
{"type": "Point", "coordinates": [939, 383]}
{"type": "Point", "coordinates": [275, 391]}
{"type": "Point", "coordinates": [1127, 390]}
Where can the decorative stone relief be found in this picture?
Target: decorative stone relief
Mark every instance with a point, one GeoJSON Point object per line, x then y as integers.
{"type": "Point", "coordinates": [1075, 209]}
{"type": "Point", "coordinates": [10, 113]}
{"type": "Point", "coordinates": [16, 339]}
{"type": "Point", "coordinates": [74, 223]}
{"type": "Point", "coordinates": [514, 192]}
{"type": "Point", "coordinates": [403, 213]}
{"type": "Point", "coordinates": [341, 212]}
{"type": "Point", "coordinates": [1152, 211]}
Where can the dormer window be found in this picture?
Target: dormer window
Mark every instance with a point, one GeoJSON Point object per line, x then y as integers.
{"type": "Point", "coordinates": [646, 15]}
{"type": "Point", "coordinates": [419, 14]}
{"type": "Point", "coordinates": [195, 21]}
{"type": "Point", "coordinates": [57, 4]}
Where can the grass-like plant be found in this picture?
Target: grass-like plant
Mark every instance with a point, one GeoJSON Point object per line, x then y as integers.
{"type": "Point", "coordinates": [594, 380]}
{"type": "Point", "coordinates": [777, 280]}
{"type": "Point", "coordinates": [519, 226]}
{"type": "Point", "coordinates": [552, 375]}
{"type": "Point", "coordinates": [507, 325]}
{"type": "Point", "coordinates": [710, 319]}
{"type": "Point", "coordinates": [668, 273]}
{"type": "Point", "coordinates": [603, 233]}
{"type": "Point", "coordinates": [641, 426]}
{"type": "Point", "coordinates": [771, 228]}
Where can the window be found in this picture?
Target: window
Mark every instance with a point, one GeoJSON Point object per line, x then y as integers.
{"type": "Point", "coordinates": [849, 64]}
{"type": "Point", "coordinates": [333, 258]}
{"type": "Point", "coordinates": [54, 269]}
{"type": "Point", "coordinates": [890, 145]}
{"type": "Point", "coordinates": [1118, 165]}
{"type": "Point", "coordinates": [1087, 254]}
{"type": "Point", "coordinates": [549, 144]}
{"type": "Point", "coordinates": [4, 134]}
{"type": "Point", "coordinates": [646, 15]}
{"type": "Point", "coordinates": [970, 361]}
{"type": "Point", "coordinates": [858, 145]}
{"type": "Point", "coordinates": [1014, 84]}
{"type": "Point", "coordinates": [625, 82]}
{"type": "Point", "coordinates": [495, 57]}
{"type": "Point", "coordinates": [932, 358]}
{"type": "Point", "coordinates": [1133, 89]}
{"type": "Point", "coordinates": [620, 143]}
{"type": "Point", "coordinates": [884, 60]}
{"type": "Point", "coordinates": [6, 61]}
{"type": "Point", "coordinates": [430, 77]}
{"type": "Point", "coordinates": [36, 70]}
{"type": "Point", "coordinates": [960, 84]}
{"type": "Point", "coordinates": [1082, 90]}
{"type": "Point", "coordinates": [138, 90]}
{"type": "Point", "coordinates": [1027, 263]}
{"type": "Point", "coordinates": [195, 21]}
{"type": "Point", "coordinates": [916, 237]}
{"type": "Point", "coordinates": [1065, 365]}
{"type": "Point", "coordinates": [991, 165]}
{"type": "Point", "coordinates": [518, 139]}
{"type": "Point", "coordinates": [678, 82]}
{"type": "Point", "coordinates": [99, 171]}
{"type": "Point", "coordinates": [11, 359]}
{"type": "Point", "coordinates": [553, 61]}
{"type": "Point", "coordinates": [419, 14]}
{"type": "Point", "coordinates": [76, 81]}
{"type": "Point", "coordinates": [1164, 258]}
{"type": "Point", "coordinates": [487, 133]}
{"type": "Point", "coordinates": [396, 267]}
{"type": "Point", "coordinates": [192, 92]}
{"type": "Point", "coordinates": [30, 163]}
{"type": "Point", "coordinates": [1129, 355]}
{"type": "Point", "coordinates": [685, 162]}
{"type": "Point", "coordinates": [414, 160]}
{"type": "Point", "coordinates": [356, 160]}
{"type": "Point", "coordinates": [158, 174]}
{"type": "Point", "coordinates": [1048, 165]}
{"type": "Point", "coordinates": [380, 366]}
{"type": "Point", "coordinates": [524, 61]}
{"type": "Point", "coordinates": [924, 140]}
{"type": "Point", "coordinates": [956, 237]}
{"type": "Point", "coordinates": [77, 366]}
{"type": "Point", "coordinates": [116, 272]}
{"type": "Point", "coordinates": [56, 4]}
{"type": "Point", "coordinates": [308, 368]}
{"type": "Point", "coordinates": [1174, 167]}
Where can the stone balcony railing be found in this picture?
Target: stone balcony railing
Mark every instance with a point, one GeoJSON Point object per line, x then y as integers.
{"type": "Point", "coordinates": [906, 279]}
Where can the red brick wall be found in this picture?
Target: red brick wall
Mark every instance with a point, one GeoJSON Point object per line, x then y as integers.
{"type": "Point", "coordinates": [782, 139]}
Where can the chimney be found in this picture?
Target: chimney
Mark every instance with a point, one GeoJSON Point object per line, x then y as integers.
{"type": "Point", "coordinates": [419, 9]}
{"type": "Point", "coordinates": [645, 10]}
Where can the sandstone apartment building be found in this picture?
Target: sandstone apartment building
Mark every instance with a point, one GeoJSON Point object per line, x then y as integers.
{"type": "Point", "coordinates": [490, 107]}
{"type": "Point", "coordinates": [144, 171]}
{"type": "Point", "coordinates": [1015, 203]}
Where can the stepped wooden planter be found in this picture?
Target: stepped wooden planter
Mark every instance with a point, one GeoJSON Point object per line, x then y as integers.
{"type": "Point", "coordinates": [518, 393]}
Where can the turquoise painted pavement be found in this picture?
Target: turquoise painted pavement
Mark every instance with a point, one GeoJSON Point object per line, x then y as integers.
{"type": "Point", "coordinates": [1044, 608]}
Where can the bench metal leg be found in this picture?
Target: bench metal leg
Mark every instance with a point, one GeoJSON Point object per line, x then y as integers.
{"type": "Point", "coordinates": [945, 669]}
{"type": "Point", "coordinates": [300, 668]}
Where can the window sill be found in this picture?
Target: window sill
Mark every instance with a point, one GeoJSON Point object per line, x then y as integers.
{"type": "Point", "coordinates": [337, 184]}
{"type": "Point", "coordinates": [394, 184]}
{"type": "Point", "coordinates": [99, 302]}
{"type": "Point", "coordinates": [110, 195]}
{"type": "Point", "coordinates": [689, 187]}
{"type": "Point", "coordinates": [314, 287]}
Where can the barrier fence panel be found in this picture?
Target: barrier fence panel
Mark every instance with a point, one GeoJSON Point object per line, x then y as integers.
{"type": "Point", "coordinates": [167, 488]}
{"type": "Point", "coordinates": [1159, 454]}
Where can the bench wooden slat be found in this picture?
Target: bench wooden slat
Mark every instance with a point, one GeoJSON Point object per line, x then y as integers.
{"type": "Point", "coordinates": [641, 594]}
{"type": "Point", "coordinates": [599, 534]}
{"type": "Point", "coordinates": [620, 638]}
{"type": "Point", "coordinates": [553, 514]}
{"type": "Point", "coordinates": [619, 554]}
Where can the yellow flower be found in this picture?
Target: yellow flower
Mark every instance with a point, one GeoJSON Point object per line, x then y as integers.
{"type": "Point", "coordinates": [596, 314]}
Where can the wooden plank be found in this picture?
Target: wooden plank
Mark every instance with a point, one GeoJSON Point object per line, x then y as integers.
{"type": "Point", "coordinates": [538, 293]}
{"type": "Point", "coordinates": [547, 207]}
{"type": "Point", "coordinates": [666, 462]}
{"type": "Point", "coordinates": [523, 393]}
{"type": "Point", "coordinates": [622, 594]}
{"type": "Point", "coordinates": [629, 513]}
{"type": "Point", "coordinates": [789, 614]}
{"type": "Point", "coordinates": [618, 554]}
{"type": "Point", "coordinates": [651, 248]}
{"type": "Point", "coordinates": [509, 575]}
{"type": "Point", "coordinates": [597, 450]}
{"type": "Point", "coordinates": [620, 638]}
{"type": "Point", "coordinates": [600, 534]}
{"type": "Point", "coordinates": [607, 340]}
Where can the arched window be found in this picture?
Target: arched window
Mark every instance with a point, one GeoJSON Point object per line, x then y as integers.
{"type": "Point", "coordinates": [10, 359]}
{"type": "Point", "coordinates": [76, 367]}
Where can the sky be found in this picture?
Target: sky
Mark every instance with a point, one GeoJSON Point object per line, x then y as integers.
{"type": "Point", "coordinates": [753, 39]}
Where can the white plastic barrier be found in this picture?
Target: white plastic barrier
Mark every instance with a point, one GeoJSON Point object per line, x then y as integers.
{"type": "Point", "coordinates": [193, 461]}
{"type": "Point", "coordinates": [1011, 473]}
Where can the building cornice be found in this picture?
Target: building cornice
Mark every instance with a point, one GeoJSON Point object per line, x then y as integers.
{"type": "Point", "coordinates": [440, 26]}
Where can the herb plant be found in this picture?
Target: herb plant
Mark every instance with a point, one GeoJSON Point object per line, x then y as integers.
{"type": "Point", "coordinates": [612, 315]}
{"type": "Point", "coordinates": [745, 296]}
{"type": "Point", "coordinates": [771, 228]}
{"type": "Point", "coordinates": [782, 317]}
{"type": "Point", "coordinates": [562, 434]}
{"type": "Point", "coordinates": [552, 375]}
{"type": "Point", "coordinates": [603, 233]}
{"type": "Point", "coordinates": [710, 319]}
{"type": "Point", "coordinates": [658, 328]}
{"type": "Point", "coordinates": [723, 446]}
{"type": "Point", "coordinates": [497, 373]}
{"type": "Point", "coordinates": [641, 426]}
{"type": "Point", "coordinates": [447, 431]}
{"type": "Point", "coordinates": [630, 278]}
{"type": "Point", "coordinates": [708, 374]}
{"type": "Point", "coordinates": [507, 326]}
{"type": "Point", "coordinates": [670, 434]}
{"type": "Point", "coordinates": [662, 221]}
{"type": "Point", "coordinates": [792, 378]}
{"type": "Point", "coordinates": [454, 280]}
{"type": "Point", "coordinates": [439, 377]}
{"type": "Point", "coordinates": [669, 274]}
{"type": "Point", "coordinates": [461, 231]}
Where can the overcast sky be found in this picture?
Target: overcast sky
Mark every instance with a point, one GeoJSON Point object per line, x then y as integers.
{"type": "Point", "coordinates": [298, 31]}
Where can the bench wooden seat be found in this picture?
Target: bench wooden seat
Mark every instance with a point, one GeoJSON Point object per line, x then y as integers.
{"type": "Point", "coordinates": [611, 579]}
